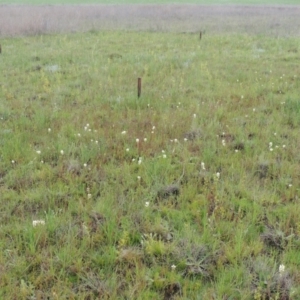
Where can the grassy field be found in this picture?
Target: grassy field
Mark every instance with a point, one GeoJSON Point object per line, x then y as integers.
{"type": "Point", "coordinates": [242, 2]}
{"type": "Point", "coordinates": [189, 192]}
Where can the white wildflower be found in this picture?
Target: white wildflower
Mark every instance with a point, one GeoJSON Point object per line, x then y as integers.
{"type": "Point", "coordinates": [38, 222]}
{"type": "Point", "coordinates": [281, 269]}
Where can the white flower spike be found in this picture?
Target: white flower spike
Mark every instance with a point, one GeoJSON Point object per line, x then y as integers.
{"type": "Point", "coordinates": [281, 269]}
{"type": "Point", "coordinates": [38, 222]}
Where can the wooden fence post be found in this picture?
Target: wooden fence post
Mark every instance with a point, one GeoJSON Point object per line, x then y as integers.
{"type": "Point", "coordinates": [139, 87]}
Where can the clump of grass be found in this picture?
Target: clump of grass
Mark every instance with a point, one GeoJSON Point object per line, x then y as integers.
{"type": "Point", "coordinates": [167, 191]}
{"type": "Point", "coordinates": [269, 283]}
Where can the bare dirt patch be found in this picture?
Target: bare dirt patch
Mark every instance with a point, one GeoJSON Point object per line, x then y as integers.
{"type": "Point", "coordinates": [16, 20]}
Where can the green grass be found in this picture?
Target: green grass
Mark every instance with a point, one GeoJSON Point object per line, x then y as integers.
{"type": "Point", "coordinates": [241, 2]}
{"type": "Point", "coordinates": [115, 228]}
